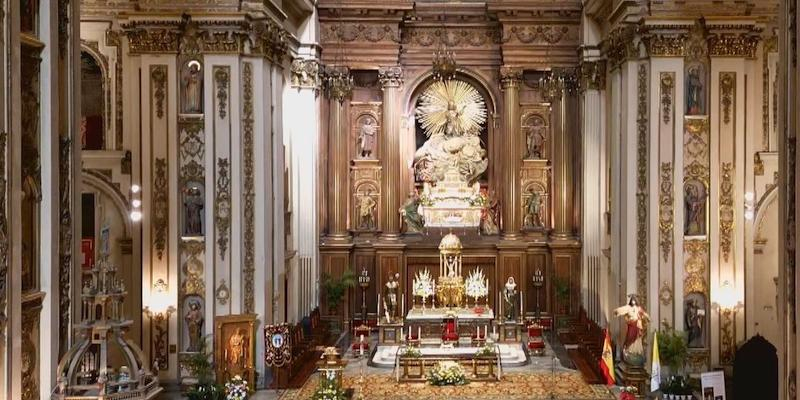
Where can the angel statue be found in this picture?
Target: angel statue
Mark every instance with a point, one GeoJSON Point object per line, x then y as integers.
{"type": "Point", "coordinates": [636, 320]}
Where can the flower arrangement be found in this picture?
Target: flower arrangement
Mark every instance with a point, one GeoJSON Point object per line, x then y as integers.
{"type": "Point", "coordinates": [476, 284]}
{"type": "Point", "coordinates": [423, 284]}
{"type": "Point", "coordinates": [628, 393]}
{"type": "Point", "coordinates": [411, 352]}
{"type": "Point", "coordinates": [447, 373]}
{"type": "Point", "coordinates": [328, 389]}
{"type": "Point", "coordinates": [487, 350]}
{"type": "Point", "coordinates": [236, 389]}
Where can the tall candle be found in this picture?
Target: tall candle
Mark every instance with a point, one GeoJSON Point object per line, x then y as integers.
{"type": "Point", "coordinates": [419, 333]}
{"type": "Point", "coordinates": [522, 304]}
{"type": "Point", "coordinates": [403, 305]}
{"type": "Point", "coordinates": [402, 333]}
{"type": "Point", "coordinates": [379, 306]}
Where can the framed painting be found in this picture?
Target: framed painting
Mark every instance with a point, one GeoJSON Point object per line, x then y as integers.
{"type": "Point", "coordinates": [235, 348]}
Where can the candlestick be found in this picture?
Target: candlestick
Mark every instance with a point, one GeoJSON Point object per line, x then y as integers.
{"type": "Point", "coordinates": [403, 306]}
{"type": "Point", "coordinates": [419, 333]}
{"type": "Point", "coordinates": [522, 305]}
{"type": "Point", "coordinates": [379, 307]}
{"type": "Point", "coordinates": [402, 333]}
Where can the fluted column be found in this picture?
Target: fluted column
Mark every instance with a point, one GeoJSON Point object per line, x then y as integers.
{"type": "Point", "coordinates": [338, 90]}
{"type": "Point", "coordinates": [510, 78]}
{"type": "Point", "coordinates": [391, 79]}
{"type": "Point", "coordinates": [562, 160]}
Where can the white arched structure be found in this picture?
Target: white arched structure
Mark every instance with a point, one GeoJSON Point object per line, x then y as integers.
{"type": "Point", "coordinates": [761, 274]}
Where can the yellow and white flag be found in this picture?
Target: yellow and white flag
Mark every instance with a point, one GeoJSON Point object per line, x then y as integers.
{"type": "Point", "coordinates": [655, 371]}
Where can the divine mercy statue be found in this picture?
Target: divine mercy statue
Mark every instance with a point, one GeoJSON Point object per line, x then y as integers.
{"type": "Point", "coordinates": [509, 299]}
{"type": "Point", "coordinates": [636, 320]}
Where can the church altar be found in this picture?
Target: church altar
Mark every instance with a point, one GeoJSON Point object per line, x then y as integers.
{"type": "Point", "coordinates": [438, 314]}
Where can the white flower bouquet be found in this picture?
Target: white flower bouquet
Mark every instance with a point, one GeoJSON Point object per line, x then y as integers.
{"type": "Point", "coordinates": [236, 389]}
{"type": "Point", "coordinates": [447, 373]}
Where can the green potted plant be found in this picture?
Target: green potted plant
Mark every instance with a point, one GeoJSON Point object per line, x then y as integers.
{"type": "Point", "coordinates": [672, 349]}
{"type": "Point", "coordinates": [561, 287]}
{"type": "Point", "coordinates": [200, 366]}
{"type": "Point", "coordinates": [336, 288]}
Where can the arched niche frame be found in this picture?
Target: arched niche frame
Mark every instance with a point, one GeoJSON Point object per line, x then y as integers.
{"type": "Point", "coordinates": [416, 87]}
{"type": "Point", "coordinates": [96, 132]}
{"type": "Point", "coordinates": [761, 270]}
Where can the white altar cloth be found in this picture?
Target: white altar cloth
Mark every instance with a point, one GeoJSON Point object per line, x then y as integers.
{"type": "Point", "coordinates": [438, 314]}
{"type": "Point", "coordinates": [511, 354]}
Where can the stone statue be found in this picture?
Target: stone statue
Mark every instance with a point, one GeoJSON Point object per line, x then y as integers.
{"type": "Point", "coordinates": [411, 215]}
{"type": "Point", "coordinates": [366, 211]}
{"type": "Point", "coordinates": [367, 139]}
{"type": "Point", "coordinates": [694, 209]}
{"type": "Point", "coordinates": [194, 322]}
{"type": "Point", "coordinates": [694, 317]}
{"type": "Point", "coordinates": [390, 297]}
{"type": "Point", "coordinates": [533, 210]}
{"type": "Point", "coordinates": [193, 89]}
{"type": "Point", "coordinates": [509, 299]}
{"type": "Point", "coordinates": [636, 319]}
{"type": "Point", "coordinates": [193, 212]}
{"type": "Point", "coordinates": [694, 92]}
{"type": "Point", "coordinates": [489, 216]}
{"type": "Point", "coordinates": [535, 140]}
{"type": "Point", "coordinates": [236, 355]}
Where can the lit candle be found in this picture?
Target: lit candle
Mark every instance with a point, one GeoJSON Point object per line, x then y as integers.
{"type": "Point", "coordinates": [402, 333]}
{"type": "Point", "coordinates": [522, 304]}
{"type": "Point", "coordinates": [362, 338]}
{"type": "Point", "coordinates": [419, 333]}
{"type": "Point", "coordinates": [403, 305]}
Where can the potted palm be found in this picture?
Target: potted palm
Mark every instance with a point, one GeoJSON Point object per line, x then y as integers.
{"type": "Point", "coordinates": [200, 366]}
{"type": "Point", "coordinates": [672, 349]}
{"type": "Point", "coordinates": [561, 287]}
{"type": "Point", "coordinates": [336, 288]}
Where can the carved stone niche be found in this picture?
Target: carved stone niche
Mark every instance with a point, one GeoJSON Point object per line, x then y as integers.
{"type": "Point", "coordinates": [365, 130]}
{"type": "Point", "coordinates": [535, 182]}
{"type": "Point", "coordinates": [535, 132]}
{"type": "Point", "coordinates": [365, 204]}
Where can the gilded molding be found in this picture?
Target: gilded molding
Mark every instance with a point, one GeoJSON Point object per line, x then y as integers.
{"type": "Point", "coordinates": [727, 341]}
{"type": "Point", "coordinates": [665, 294]}
{"type": "Point", "coordinates": [65, 238]}
{"type": "Point", "coordinates": [160, 202]}
{"type": "Point", "coordinates": [510, 76]}
{"type": "Point", "coordinates": [158, 79]}
{"type": "Point", "coordinates": [4, 245]}
{"type": "Point", "coordinates": [641, 185]}
{"type": "Point", "coordinates": [305, 73]}
{"type": "Point", "coordinates": [696, 267]}
{"type": "Point", "coordinates": [593, 75]}
{"type": "Point", "coordinates": [726, 210]}
{"type": "Point", "coordinates": [727, 90]}
{"type": "Point", "coordinates": [667, 86]}
{"type": "Point", "coordinates": [193, 282]}
{"type": "Point", "coordinates": [770, 45]}
{"type": "Point", "coordinates": [666, 210]}
{"type": "Point", "coordinates": [192, 151]}
{"type": "Point", "coordinates": [222, 79]}
{"type": "Point", "coordinates": [733, 45]}
{"type": "Point", "coordinates": [222, 205]}
{"type": "Point", "coordinates": [665, 45]}
{"type": "Point", "coordinates": [248, 166]}
{"type": "Point", "coordinates": [223, 293]}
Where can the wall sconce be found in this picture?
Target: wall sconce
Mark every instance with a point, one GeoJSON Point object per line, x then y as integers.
{"type": "Point", "coordinates": [136, 203]}
{"type": "Point", "coordinates": [728, 304]}
{"type": "Point", "coordinates": [749, 205]}
{"type": "Point", "coordinates": [159, 311]}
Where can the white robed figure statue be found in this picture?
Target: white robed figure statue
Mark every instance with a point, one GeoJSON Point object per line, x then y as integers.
{"type": "Point", "coordinates": [636, 320]}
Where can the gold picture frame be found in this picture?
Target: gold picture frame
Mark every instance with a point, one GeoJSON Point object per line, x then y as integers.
{"type": "Point", "coordinates": [235, 348]}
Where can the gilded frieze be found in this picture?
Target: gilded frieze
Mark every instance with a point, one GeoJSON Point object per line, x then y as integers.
{"type": "Point", "coordinates": [158, 79]}
{"type": "Point", "coordinates": [464, 37]}
{"type": "Point", "coordinates": [160, 203]}
{"type": "Point", "coordinates": [641, 184]}
{"type": "Point", "coordinates": [666, 210]}
{"type": "Point", "coordinates": [248, 195]}
{"type": "Point", "coordinates": [665, 45]}
{"type": "Point", "coordinates": [667, 92]}
{"type": "Point", "coordinates": [359, 32]}
{"type": "Point", "coordinates": [222, 205]}
{"type": "Point", "coordinates": [727, 89]}
{"type": "Point", "coordinates": [696, 267]}
{"type": "Point", "coordinates": [222, 79]}
{"type": "Point", "coordinates": [733, 45]}
{"type": "Point", "coordinates": [192, 269]}
{"type": "Point", "coordinates": [540, 34]}
{"type": "Point", "coordinates": [726, 210]}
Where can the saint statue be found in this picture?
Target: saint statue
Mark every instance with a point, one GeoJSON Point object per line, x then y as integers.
{"type": "Point", "coordinates": [235, 353]}
{"type": "Point", "coordinates": [390, 298]}
{"type": "Point", "coordinates": [535, 140]}
{"type": "Point", "coordinates": [489, 215]}
{"type": "Point", "coordinates": [533, 210]}
{"type": "Point", "coordinates": [367, 138]}
{"type": "Point", "coordinates": [693, 323]}
{"type": "Point", "coordinates": [636, 319]}
{"type": "Point", "coordinates": [194, 321]}
{"type": "Point", "coordinates": [193, 212]}
{"type": "Point", "coordinates": [193, 88]}
{"type": "Point", "coordinates": [366, 211]}
{"type": "Point", "coordinates": [509, 299]}
{"type": "Point", "coordinates": [411, 215]}
{"type": "Point", "coordinates": [694, 204]}
{"type": "Point", "coordinates": [694, 92]}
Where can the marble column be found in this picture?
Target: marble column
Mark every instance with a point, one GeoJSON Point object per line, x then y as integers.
{"type": "Point", "coordinates": [339, 90]}
{"type": "Point", "coordinates": [391, 79]}
{"type": "Point", "coordinates": [562, 160]}
{"type": "Point", "coordinates": [510, 78]}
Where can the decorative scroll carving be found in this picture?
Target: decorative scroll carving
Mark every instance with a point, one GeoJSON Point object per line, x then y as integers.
{"type": "Point", "coordinates": [696, 267]}
{"type": "Point", "coordinates": [360, 32]}
{"type": "Point", "coordinates": [665, 294]}
{"type": "Point", "coordinates": [476, 36]}
{"type": "Point", "coordinates": [222, 205]}
{"type": "Point", "coordinates": [540, 34]}
{"type": "Point", "coordinates": [222, 80]}
{"type": "Point", "coordinates": [65, 238]}
{"type": "Point", "coordinates": [193, 283]}
{"type": "Point", "coordinates": [158, 79]}
{"type": "Point", "coordinates": [727, 90]}
{"type": "Point", "coordinates": [641, 185]}
{"type": "Point", "coordinates": [305, 73]}
{"type": "Point", "coordinates": [758, 165]}
{"type": "Point", "coordinates": [727, 345]}
{"type": "Point", "coordinates": [248, 195]}
{"type": "Point", "coordinates": [666, 210]}
{"type": "Point", "coordinates": [63, 25]}
{"type": "Point", "coordinates": [733, 45]}
{"type": "Point", "coordinates": [726, 211]}
{"type": "Point", "coordinates": [4, 259]}
{"type": "Point", "coordinates": [667, 86]}
{"type": "Point", "coordinates": [160, 206]}
{"type": "Point", "coordinates": [192, 151]}
{"type": "Point", "coordinates": [593, 75]}
{"type": "Point", "coordinates": [770, 46]}
{"type": "Point", "coordinates": [665, 45]}
{"type": "Point", "coordinates": [791, 228]}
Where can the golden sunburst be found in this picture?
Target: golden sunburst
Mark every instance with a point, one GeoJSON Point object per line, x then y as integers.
{"type": "Point", "coordinates": [454, 96]}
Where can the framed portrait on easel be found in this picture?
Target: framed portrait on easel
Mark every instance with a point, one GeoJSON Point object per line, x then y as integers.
{"type": "Point", "coordinates": [235, 348]}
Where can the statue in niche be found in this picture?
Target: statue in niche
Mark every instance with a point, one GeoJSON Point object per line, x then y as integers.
{"type": "Point", "coordinates": [533, 210]}
{"type": "Point", "coordinates": [390, 297]}
{"type": "Point", "coordinates": [194, 322]}
{"type": "Point", "coordinates": [694, 320]}
{"type": "Point", "coordinates": [509, 299]}
{"type": "Point", "coordinates": [193, 88]}
{"type": "Point", "coordinates": [366, 211]}
{"type": "Point", "coordinates": [489, 215]}
{"type": "Point", "coordinates": [694, 199]}
{"type": "Point", "coordinates": [535, 139]}
{"type": "Point", "coordinates": [411, 215]}
{"type": "Point", "coordinates": [367, 139]}
{"type": "Point", "coordinates": [193, 212]}
{"type": "Point", "coordinates": [636, 320]}
{"type": "Point", "coordinates": [695, 104]}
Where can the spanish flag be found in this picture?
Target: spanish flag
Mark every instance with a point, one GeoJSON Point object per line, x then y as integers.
{"type": "Point", "coordinates": [607, 360]}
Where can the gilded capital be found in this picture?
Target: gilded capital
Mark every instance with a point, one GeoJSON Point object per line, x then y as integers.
{"type": "Point", "coordinates": [391, 76]}
{"type": "Point", "coordinates": [593, 75]}
{"type": "Point", "coordinates": [666, 45]}
{"type": "Point", "coordinates": [305, 73]}
{"type": "Point", "coordinates": [733, 45]}
{"type": "Point", "coordinates": [510, 76]}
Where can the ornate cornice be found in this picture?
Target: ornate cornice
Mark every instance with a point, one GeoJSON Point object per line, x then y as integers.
{"type": "Point", "coordinates": [665, 45]}
{"type": "Point", "coordinates": [733, 45]}
{"type": "Point", "coordinates": [306, 73]}
{"type": "Point", "coordinates": [621, 45]}
{"type": "Point", "coordinates": [510, 76]}
{"type": "Point", "coordinates": [593, 75]}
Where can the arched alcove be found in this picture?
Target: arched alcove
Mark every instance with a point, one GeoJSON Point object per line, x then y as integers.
{"type": "Point", "coordinates": [763, 271]}
{"type": "Point", "coordinates": [94, 100]}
